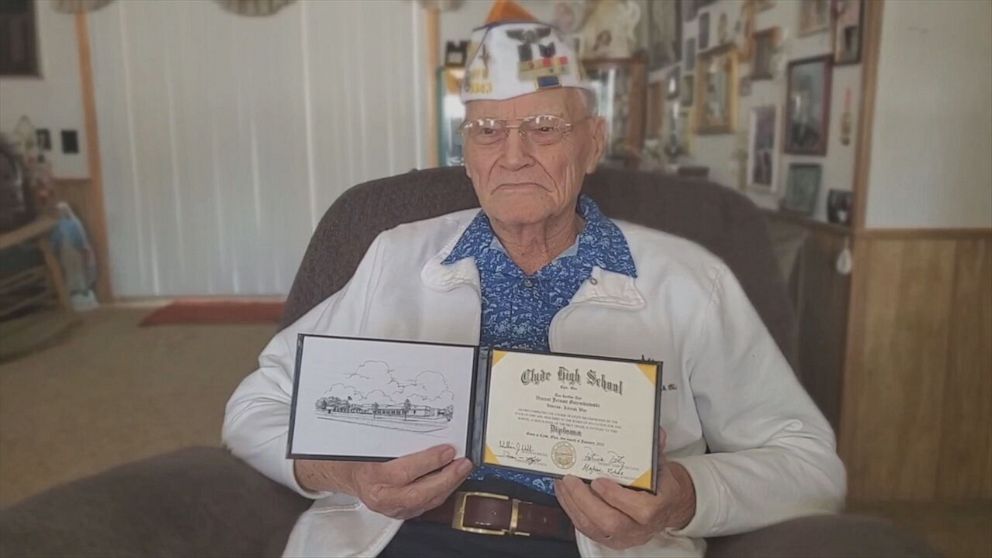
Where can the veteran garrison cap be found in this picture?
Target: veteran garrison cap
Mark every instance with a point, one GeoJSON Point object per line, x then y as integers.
{"type": "Point", "coordinates": [513, 54]}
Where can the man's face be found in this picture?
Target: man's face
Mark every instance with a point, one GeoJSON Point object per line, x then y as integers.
{"type": "Point", "coordinates": [519, 182]}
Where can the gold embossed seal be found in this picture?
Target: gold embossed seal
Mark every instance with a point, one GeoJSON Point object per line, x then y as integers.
{"type": "Point", "coordinates": [563, 455]}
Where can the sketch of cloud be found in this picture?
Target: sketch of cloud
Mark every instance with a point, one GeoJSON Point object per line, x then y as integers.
{"type": "Point", "coordinates": [374, 381]}
{"type": "Point", "coordinates": [427, 388]}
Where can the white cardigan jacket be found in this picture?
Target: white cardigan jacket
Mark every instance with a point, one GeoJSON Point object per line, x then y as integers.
{"type": "Point", "coordinates": [728, 387]}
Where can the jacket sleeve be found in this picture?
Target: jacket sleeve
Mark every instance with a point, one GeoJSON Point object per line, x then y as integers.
{"type": "Point", "coordinates": [772, 453]}
{"type": "Point", "coordinates": [256, 420]}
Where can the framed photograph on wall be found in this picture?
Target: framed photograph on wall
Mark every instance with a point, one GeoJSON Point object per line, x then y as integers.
{"type": "Point", "coordinates": [686, 96]}
{"type": "Point", "coordinates": [765, 44]}
{"type": "Point", "coordinates": [716, 91]}
{"type": "Point", "coordinates": [689, 9]}
{"type": "Point", "coordinates": [802, 188]}
{"type": "Point", "coordinates": [450, 114]}
{"type": "Point", "coordinates": [839, 205]}
{"type": "Point", "coordinates": [744, 86]}
{"type": "Point", "coordinates": [621, 90]}
{"type": "Point", "coordinates": [19, 55]}
{"type": "Point", "coordinates": [655, 109]}
{"type": "Point", "coordinates": [807, 116]}
{"type": "Point", "coordinates": [814, 16]}
{"type": "Point", "coordinates": [848, 15]}
{"type": "Point", "coordinates": [704, 31]}
{"type": "Point", "coordinates": [664, 34]}
{"type": "Point", "coordinates": [762, 148]}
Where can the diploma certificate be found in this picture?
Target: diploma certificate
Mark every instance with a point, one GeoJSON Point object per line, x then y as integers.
{"type": "Point", "coordinates": [545, 413]}
{"type": "Point", "coordinates": [560, 414]}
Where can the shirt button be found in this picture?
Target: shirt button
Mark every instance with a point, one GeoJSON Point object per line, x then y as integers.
{"type": "Point", "coordinates": [528, 283]}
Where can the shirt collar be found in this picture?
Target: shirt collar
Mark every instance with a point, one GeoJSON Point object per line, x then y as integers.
{"type": "Point", "coordinates": [601, 243]}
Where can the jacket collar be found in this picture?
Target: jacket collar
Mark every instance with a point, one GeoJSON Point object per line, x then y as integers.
{"type": "Point", "coordinates": [604, 287]}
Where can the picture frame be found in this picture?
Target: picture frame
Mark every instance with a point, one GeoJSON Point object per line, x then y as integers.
{"type": "Point", "coordinates": [807, 117]}
{"type": "Point", "coordinates": [814, 16]}
{"type": "Point", "coordinates": [621, 90]}
{"type": "Point", "coordinates": [847, 30]}
{"type": "Point", "coordinates": [703, 37]}
{"type": "Point", "coordinates": [455, 53]}
{"type": "Point", "coordinates": [766, 43]}
{"type": "Point", "coordinates": [722, 29]}
{"type": "Point", "coordinates": [20, 56]}
{"type": "Point", "coordinates": [655, 109]}
{"type": "Point", "coordinates": [664, 34]}
{"type": "Point", "coordinates": [744, 86]}
{"type": "Point", "coordinates": [690, 55]}
{"type": "Point", "coordinates": [686, 92]}
{"type": "Point", "coordinates": [839, 206]}
{"type": "Point", "coordinates": [450, 114]}
{"type": "Point", "coordinates": [762, 156]}
{"type": "Point", "coordinates": [689, 9]}
{"type": "Point", "coordinates": [802, 188]}
{"type": "Point", "coordinates": [716, 91]}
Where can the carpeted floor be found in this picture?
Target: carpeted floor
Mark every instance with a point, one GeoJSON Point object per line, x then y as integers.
{"type": "Point", "coordinates": [113, 392]}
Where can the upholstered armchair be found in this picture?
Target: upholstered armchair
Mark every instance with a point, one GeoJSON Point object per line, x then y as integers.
{"type": "Point", "coordinates": [205, 502]}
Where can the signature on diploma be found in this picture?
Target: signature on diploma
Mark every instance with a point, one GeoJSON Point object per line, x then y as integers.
{"type": "Point", "coordinates": [520, 452]}
{"type": "Point", "coordinates": [611, 463]}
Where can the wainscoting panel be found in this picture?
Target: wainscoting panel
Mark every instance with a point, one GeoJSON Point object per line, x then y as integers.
{"type": "Point", "coordinates": [916, 403]}
{"type": "Point", "coordinates": [965, 469]}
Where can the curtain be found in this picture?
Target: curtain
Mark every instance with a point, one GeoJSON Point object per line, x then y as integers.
{"type": "Point", "coordinates": [240, 7]}
{"type": "Point", "coordinates": [75, 6]}
{"type": "Point", "coordinates": [253, 7]}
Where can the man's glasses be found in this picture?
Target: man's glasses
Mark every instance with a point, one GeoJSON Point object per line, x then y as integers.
{"type": "Point", "coordinates": [545, 129]}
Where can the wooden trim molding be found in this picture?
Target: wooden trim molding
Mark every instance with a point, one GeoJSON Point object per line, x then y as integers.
{"type": "Point", "coordinates": [866, 117]}
{"type": "Point", "coordinates": [433, 37]}
{"type": "Point", "coordinates": [908, 234]}
{"type": "Point", "coordinates": [97, 217]}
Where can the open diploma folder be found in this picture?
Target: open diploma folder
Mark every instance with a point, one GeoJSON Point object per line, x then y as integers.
{"type": "Point", "coordinates": [546, 413]}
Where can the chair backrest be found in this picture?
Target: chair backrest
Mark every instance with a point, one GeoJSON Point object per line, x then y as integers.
{"type": "Point", "coordinates": [723, 221]}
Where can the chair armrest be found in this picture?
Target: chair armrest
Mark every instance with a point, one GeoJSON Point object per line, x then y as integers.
{"type": "Point", "coordinates": [193, 502]}
{"type": "Point", "coordinates": [822, 536]}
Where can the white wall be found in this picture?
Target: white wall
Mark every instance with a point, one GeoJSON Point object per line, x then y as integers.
{"type": "Point", "coordinates": [931, 158]}
{"type": "Point", "coordinates": [54, 100]}
{"type": "Point", "coordinates": [224, 138]}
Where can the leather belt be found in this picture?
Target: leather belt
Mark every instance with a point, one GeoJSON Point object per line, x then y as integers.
{"type": "Point", "coordinates": [486, 513]}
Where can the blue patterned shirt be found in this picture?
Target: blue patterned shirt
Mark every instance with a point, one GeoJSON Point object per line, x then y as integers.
{"type": "Point", "coordinates": [517, 309]}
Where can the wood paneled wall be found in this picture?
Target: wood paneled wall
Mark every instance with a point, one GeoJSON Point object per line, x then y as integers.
{"type": "Point", "coordinates": [917, 390]}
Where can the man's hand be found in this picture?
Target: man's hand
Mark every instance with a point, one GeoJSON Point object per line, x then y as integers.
{"type": "Point", "coordinates": [621, 518]}
{"type": "Point", "coordinates": [401, 488]}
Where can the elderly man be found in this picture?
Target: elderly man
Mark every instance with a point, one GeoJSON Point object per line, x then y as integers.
{"type": "Point", "coordinates": [541, 268]}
